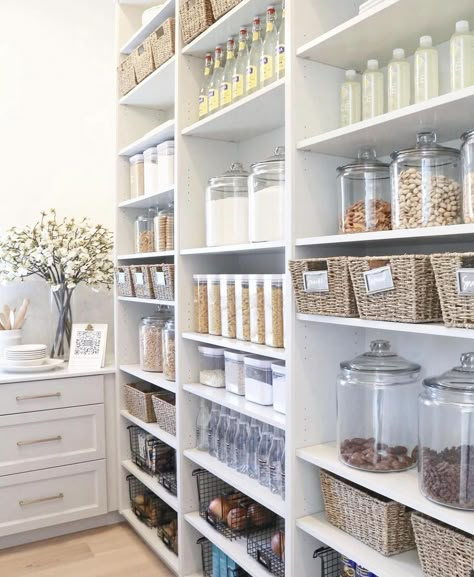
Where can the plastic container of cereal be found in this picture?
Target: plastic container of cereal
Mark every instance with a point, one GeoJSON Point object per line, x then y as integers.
{"type": "Point", "coordinates": [273, 289]}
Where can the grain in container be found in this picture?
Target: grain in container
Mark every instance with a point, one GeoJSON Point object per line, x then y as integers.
{"type": "Point", "coordinates": [137, 186]}
{"type": "Point", "coordinates": [273, 295]}
{"type": "Point", "coordinates": [257, 309]}
{"type": "Point", "coordinates": [228, 306]}
{"type": "Point", "coordinates": [150, 157]}
{"type": "Point", "coordinates": [234, 372]}
{"type": "Point", "coordinates": [258, 380]}
{"type": "Point", "coordinates": [467, 158]}
{"type": "Point", "coordinates": [279, 387]}
{"type": "Point", "coordinates": [201, 317]}
{"type": "Point", "coordinates": [169, 357]}
{"type": "Point", "coordinates": [144, 232]}
{"type": "Point", "coordinates": [151, 340]}
{"type": "Point", "coordinates": [242, 307]}
{"type": "Point", "coordinates": [165, 152]}
{"type": "Point", "coordinates": [214, 304]}
{"type": "Point", "coordinates": [212, 367]}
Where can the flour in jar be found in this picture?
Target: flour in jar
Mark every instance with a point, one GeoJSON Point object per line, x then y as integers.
{"type": "Point", "coordinates": [266, 214]}
{"type": "Point", "coordinates": [227, 221]}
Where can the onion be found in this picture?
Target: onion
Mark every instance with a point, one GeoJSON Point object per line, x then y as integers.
{"type": "Point", "coordinates": [259, 516]}
{"type": "Point", "coordinates": [219, 508]}
{"type": "Point", "coordinates": [237, 519]}
{"type": "Point", "coordinates": [278, 544]}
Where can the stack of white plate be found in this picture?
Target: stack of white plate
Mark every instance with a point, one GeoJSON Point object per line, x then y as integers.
{"type": "Point", "coordinates": [26, 355]}
{"type": "Point", "coordinates": [368, 5]}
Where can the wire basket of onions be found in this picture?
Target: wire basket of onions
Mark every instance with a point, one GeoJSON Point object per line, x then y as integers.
{"type": "Point", "coordinates": [267, 546]}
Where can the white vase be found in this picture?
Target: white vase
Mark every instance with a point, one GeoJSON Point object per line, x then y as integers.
{"type": "Point", "coordinates": [9, 339]}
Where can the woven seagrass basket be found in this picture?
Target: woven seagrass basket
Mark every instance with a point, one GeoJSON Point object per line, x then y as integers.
{"type": "Point", "coordinates": [165, 412]}
{"type": "Point", "coordinates": [126, 72]}
{"type": "Point", "coordinates": [162, 276]}
{"type": "Point", "coordinates": [220, 7]}
{"type": "Point", "coordinates": [142, 283]}
{"type": "Point", "coordinates": [124, 281]}
{"type": "Point", "coordinates": [143, 60]}
{"type": "Point", "coordinates": [196, 17]}
{"type": "Point", "coordinates": [138, 401]}
{"type": "Point", "coordinates": [163, 42]}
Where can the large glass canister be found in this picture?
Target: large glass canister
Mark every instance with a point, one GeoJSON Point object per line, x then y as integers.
{"type": "Point", "coordinates": [377, 415]}
{"type": "Point", "coordinates": [267, 198]}
{"type": "Point", "coordinates": [227, 208]}
{"type": "Point", "coordinates": [151, 340]}
{"type": "Point", "coordinates": [467, 156]}
{"type": "Point", "coordinates": [446, 465]}
{"type": "Point", "coordinates": [144, 232]}
{"type": "Point", "coordinates": [364, 195]}
{"type": "Point", "coordinates": [426, 185]}
{"type": "Point", "coordinates": [169, 356]}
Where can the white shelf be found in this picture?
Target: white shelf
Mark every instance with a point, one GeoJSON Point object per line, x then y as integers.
{"type": "Point", "coordinates": [151, 538]}
{"type": "Point", "coordinates": [161, 198]}
{"type": "Point", "coordinates": [151, 428]}
{"type": "Point", "coordinates": [156, 91]}
{"type": "Point", "coordinates": [146, 255]}
{"type": "Point", "coordinates": [256, 114]}
{"type": "Point", "coordinates": [160, 134]}
{"type": "Point", "coordinates": [145, 301]}
{"type": "Point", "coordinates": [375, 33]}
{"type": "Point", "coordinates": [446, 114]}
{"type": "Point", "coordinates": [239, 404]}
{"type": "Point", "coordinates": [156, 379]}
{"type": "Point", "coordinates": [239, 481]}
{"type": "Point", "coordinates": [140, 35]}
{"type": "Point", "coordinates": [256, 247]}
{"type": "Point", "coordinates": [434, 329]}
{"type": "Point", "coordinates": [403, 565]}
{"type": "Point", "coordinates": [236, 550]}
{"type": "Point", "coordinates": [455, 233]}
{"type": "Point", "coordinates": [152, 484]}
{"type": "Point", "coordinates": [401, 487]}
{"type": "Point", "coordinates": [245, 347]}
{"type": "Point", "coordinates": [227, 25]}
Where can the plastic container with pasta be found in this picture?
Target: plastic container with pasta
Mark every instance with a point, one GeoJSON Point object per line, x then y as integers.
{"type": "Point", "coordinates": [257, 309]}
{"type": "Point", "coordinates": [242, 307]}
{"type": "Point", "coordinates": [227, 289]}
{"type": "Point", "coordinates": [273, 288]}
{"type": "Point", "coordinates": [201, 317]}
{"type": "Point", "coordinates": [214, 304]}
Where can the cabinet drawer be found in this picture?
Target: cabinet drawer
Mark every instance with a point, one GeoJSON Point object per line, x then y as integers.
{"type": "Point", "coordinates": [50, 394]}
{"type": "Point", "coordinates": [44, 439]}
{"type": "Point", "coordinates": [52, 496]}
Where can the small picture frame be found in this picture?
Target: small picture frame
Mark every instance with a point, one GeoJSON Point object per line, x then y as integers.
{"type": "Point", "coordinates": [88, 346]}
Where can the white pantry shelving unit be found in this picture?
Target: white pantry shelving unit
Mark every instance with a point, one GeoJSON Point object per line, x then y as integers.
{"type": "Point", "coordinates": [301, 112]}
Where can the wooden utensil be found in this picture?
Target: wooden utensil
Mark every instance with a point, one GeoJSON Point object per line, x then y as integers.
{"type": "Point", "coordinates": [21, 315]}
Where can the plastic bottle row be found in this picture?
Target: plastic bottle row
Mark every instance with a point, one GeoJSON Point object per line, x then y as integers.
{"type": "Point", "coordinates": [366, 99]}
{"type": "Point", "coordinates": [153, 171]}
{"type": "Point", "coordinates": [246, 307]}
{"type": "Point", "coordinates": [250, 447]}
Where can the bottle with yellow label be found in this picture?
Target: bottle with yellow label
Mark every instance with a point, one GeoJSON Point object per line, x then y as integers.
{"type": "Point", "coordinates": [252, 73]}
{"type": "Point", "coordinates": [240, 65]}
{"type": "Point", "coordinates": [267, 58]}
{"type": "Point", "coordinates": [280, 55]}
{"type": "Point", "coordinates": [216, 79]}
{"type": "Point", "coordinates": [225, 89]}
{"type": "Point", "coordinates": [204, 93]}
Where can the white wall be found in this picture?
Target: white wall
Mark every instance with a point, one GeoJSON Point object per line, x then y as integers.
{"type": "Point", "coordinates": [57, 123]}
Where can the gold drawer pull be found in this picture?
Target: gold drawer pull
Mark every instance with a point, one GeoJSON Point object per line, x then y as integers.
{"type": "Point", "coordinates": [30, 397]}
{"type": "Point", "coordinates": [41, 500]}
{"type": "Point", "coordinates": [36, 441]}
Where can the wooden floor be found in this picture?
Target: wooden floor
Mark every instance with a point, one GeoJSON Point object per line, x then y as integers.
{"type": "Point", "coordinates": [113, 551]}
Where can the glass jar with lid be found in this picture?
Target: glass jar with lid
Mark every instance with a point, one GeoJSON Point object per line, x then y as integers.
{"type": "Point", "coordinates": [144, 232]}
{"type": "Point", "coordinates": [137, 187]}
{"type": "Point", "coordinates": [227, 208]}
{"type": "Point", "coordinates": [426, 184]}
{"type": "Point", "coordinates": [467, 155]}
{"type": "Point", "coordinates": [163, 226]}
{"type": "Point", "coordinates": [169, 362]}
{"type": "Point", "coordinates": [267, 198]}
{"type": "Point", "coordinates": [376, 410]}
{"type": "Point", "coordinates": [446, 412]}
{"type": "Point", "coordinates": [150, 339]}
{"type": "Point", "coordinates": [364, 194]}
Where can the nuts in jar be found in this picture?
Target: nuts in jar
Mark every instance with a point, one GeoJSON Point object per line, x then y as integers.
{"type": "Point", "coordinates": [169, 362]}
{"type": "Point", "coordinates": [367, 216]}
{"type": "Point", "coordinates": [371, 456]}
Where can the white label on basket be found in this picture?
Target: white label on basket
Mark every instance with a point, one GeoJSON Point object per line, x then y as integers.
{"type": "Point", "coordinates": [139, 278]}
{"type": "Point", "coordinates": [465, 281]}
{"type": "Point", "coordinates": [316, 281]}
{"type": "Point", "coordinates": [379, 280]}
{"type": "Point", "coordinates": [121, 277]}
{"type": "Point", "coordinates": [160, 278]}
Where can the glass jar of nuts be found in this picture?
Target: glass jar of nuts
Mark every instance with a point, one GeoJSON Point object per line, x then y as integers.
{"type": "Point", "coordinates": [426, 185]}
{"type": "Point", "coordinates": [144, 232]}
{"type": "Point", "coordinates": [169, 362]}
{"type": "Point", "coordinates": [467, 154]}
{"type": "Point", "coordinates": [150, 333]}
{"type": "Point", "coordinates": [376, 410]}
{"type": "Point", "coordinates": [364, 195]}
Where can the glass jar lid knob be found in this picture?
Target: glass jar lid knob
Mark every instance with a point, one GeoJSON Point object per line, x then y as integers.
{"type": "Point", "coordinates": [467, 361]}
{"type": "Point", "coordinates": [427, 138]}
{"type": "Point", "coordinates": [366, 154]}
{"type": "Point", "coordinates": [380, 347]}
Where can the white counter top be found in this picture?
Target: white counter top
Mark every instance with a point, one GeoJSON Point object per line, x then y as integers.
{"type": "Point", "coordinates": [60, 373]}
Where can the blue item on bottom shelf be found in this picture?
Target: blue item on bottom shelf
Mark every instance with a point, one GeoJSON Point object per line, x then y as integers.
{"type": "Point", "coordinates": [216, 562]}
{"type": "Point", "coordinates": [348, 567]}
{"type": "Point", "coordinates": [362, 572]}
{"type": "Point", "coordinates": [231, 567]}
{"type": "Point", "coordinates": [223, 565]}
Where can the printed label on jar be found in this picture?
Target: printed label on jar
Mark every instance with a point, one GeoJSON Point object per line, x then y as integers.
{"type": "Point", "coordinates": [203, 106]}
{"type": "Point", "coordinates": [160, 278]}
{"type": "Point", "coordinates": [251, 78]}
{"type": "Point", "coordinates": [267, 66]}
{"type": "Point", "coordinates": [316, 281]}
{"type": "Point", "coordinates": [226, 93]}
{"type": "Point", "coordinates": [121, 278]}
{"type": "Point", "coordinates": [237, 86]}
{"type": "Point", "coordinates": [379, 280]}
{"type": "Point", "coordinates": [213, 100]}
{"type": "Point", "coordinates": [281, 58]}
{"type": "Point", "coordinates": [465, 281]}
{"type": "Point", "coordinates": [139, 278]}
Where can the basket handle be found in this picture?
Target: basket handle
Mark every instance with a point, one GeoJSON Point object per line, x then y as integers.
{"type": "Point", "coordinates": [141, 49]}
{"type": "Point", "coordinates": [160, 32]}
{"type": "Point", "coordinates": [377, 263]}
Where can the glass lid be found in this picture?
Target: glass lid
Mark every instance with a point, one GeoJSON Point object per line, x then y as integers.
{"type": "Point", "coordinates": [278, 156]}
{"type": "Point", "coordinates": [457, 379]}
{"type": "Point", "coordinates": [381, 360]}
{"type": "Point", "coordinates": [366, 161]}
{"type": "Point", "coordinates": [468, 135]}
{"type": "Point", "coordinates": [236, 172]}
{"type": "Point", "coordinates": [427, 147]}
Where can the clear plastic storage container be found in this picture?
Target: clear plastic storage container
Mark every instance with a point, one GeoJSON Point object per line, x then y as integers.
{"type": "Point", "coordinates": [214, 304]}
{"type": "Point", "coordinates": [426, 185]}
{"type": "Point", "coordinates": [267, 198]}
{"type": "Point", "coordinates": [273, 294]}
{"type": "Point", "coordinates": [228, 323]}
{"type": "Point", "coordinates": [150, 157]}
{"type": "Point", "coordinates": [376, 410]}
{"type": "Point", "coordinates": [165, 152]}
{"type": "Point", "coordinates": [137, 186]}
{"type": "Point", "coordinates": [163, 226]}
{"type": "Point", "coordinates": [227, 208]}
{"type": "Point", "coordinates": [257, 309]}
{"type": "Point", "coordinates": [234, 373]}
{"type": "Point", "coordinates": [258, 380]}
{"type": "Point", "coordinates": [169, 362]}
{"type": "Point", "coordinates": [242, 307]}
{"type": "Point", "coordinates": [364, 195]}
{"type": "Point", "coordinates": [212, 367]}
{"type": "Point", "coordinates": [201, 316]}
{"type": "Point", "coordinates": [446, 440]}
{"type": "Point", "coordinates": [151, 341]}
{"type": "Point", "coordinates": [279, 387]}
{"type": "Point", "coordinates": [145, 233]}
{"type": "Point", "coordinates": [467, 155]}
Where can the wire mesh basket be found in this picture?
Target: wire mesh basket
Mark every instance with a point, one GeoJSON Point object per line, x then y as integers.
{"type": "Point", "coordinates": [267, 546]}
{"type": "Point", "coordinates": [211, 557]}
{"type": "Point", "coordinates": [330, 562]}
{"type": "Point", "coordinates": [230, 512]}
{"type": "Point", "coordinates": [144, 503]}
{"type": "Point", "coordinates": [168, 528]}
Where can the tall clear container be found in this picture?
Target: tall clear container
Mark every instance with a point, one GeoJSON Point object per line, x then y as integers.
{"type": "Point", "coordinates": [169, 358]}
{"type": "Point", "coordinates": [160, 228]}
{"type": "Point", "coordinates": [280, 53]}
{"type": "Point", "coordinates": [202, 426]}
{"type": "Point", "coordinates": [204, 92]}
{"type": "Point", "coordinates": [275, 461]}
{"type": "Point", "coordinates": [145, 232]}
{"type": "Point", "coordinates": [267, 57]}
{"type": "Point", "coordinates": [215, 82]}
{"type": "Point", "coordinates": [214, 304]}
{"type": "Point", "coordinates": [398, 81]}
{"type": "Point", "coordinates": [230, 435]}
{"type": "Point", "coordinates": [372, 91]}
{"type": "Point", "coordinates": [212, 429]}
{"type": "Point", "coordinates": [364, 195]}
{"type": "Point", "coordinates": [201, 315]}
{"type": "Point", "coordinates": [426, 70]}
{"type": "Point", "coordinates": [267, 198]}
{"type": "Point", "coordinates": [461, 56]}
{"type": "Point", "coordinates": [257, 309]}
{"type": "Point", "coordinates": [151, 341]}
{"type": "Point", "coordinates": [212, 367]}
{"type": "Point", "coordinates": [242, 307]}
{"type": "Point", "coordinates": [254, 442]}
{"type": "Point", "coordinates": [350, 99]}
{"type": "Point", "coordinates": [165, 152]}
{"type": "Point", "coordinates": [252, 73]}
{"type": "Point", "coordinates": [264, 446]}
{"type": "Point", "coordinates": [225, 89]}
{"type": "Point", "coordinates": [240, 66]}
{"type": "Point", "coordinates": [467, 156]}
{"type": "Point", "coordinates": [426, 185]}
{"type": "Point", "coordinates": [137, 176]}
{"type": "Point", "coordinates": [376, 392]}
{"type": "Point", "coordinates": [446, 465]}
{"type": "Point", "coordinates": [273, 294]}
{"type": "Point", "coordinates": [150, 157]}
{"type": "Point", "coordinates": [241, 444]}
{"type": "Point", "coordinates": [221, 432]}
{"type": "Point", "coordinates": [279, 386]}
{"type": "Point", "coordinates": [228, 320]}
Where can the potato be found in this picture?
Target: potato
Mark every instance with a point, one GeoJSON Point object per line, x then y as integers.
{"type": "Point", "coordinates": [278, 545]}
